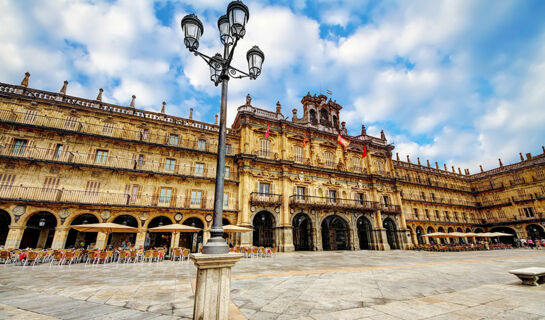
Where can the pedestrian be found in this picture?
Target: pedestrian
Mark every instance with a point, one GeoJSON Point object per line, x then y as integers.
{"type": "Point", "coordinates": [530, 243]}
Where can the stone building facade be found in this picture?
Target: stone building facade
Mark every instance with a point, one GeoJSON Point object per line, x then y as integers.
{"type": "Point", "coordinates": [66, 160]}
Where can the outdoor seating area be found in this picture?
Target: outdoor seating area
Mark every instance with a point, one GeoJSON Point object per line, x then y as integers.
{"type": "Point", "coordinates": [255, 252]}
{"type": "Point", "coordinates": [455, 247]}
{"type": "Point", "coordinates": [31, 257]}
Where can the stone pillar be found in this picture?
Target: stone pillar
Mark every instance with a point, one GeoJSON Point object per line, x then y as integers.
{"type": "Point", "coordinates": [42, 239]}
{"type": "Point", "coordinates": [286, 243]}
{"type": "Point", "coordinates": [15, 235]}
{"type": "Point", "coordinates": [140, 238]}
{"type": "Point", "coordinates": [59, 239]}
{"type": "Point", "coordinates": [213, 286]}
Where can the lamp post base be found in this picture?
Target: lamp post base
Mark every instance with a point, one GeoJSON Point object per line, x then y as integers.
{"type": "Point", "coordinates": [213, 287]}
{"type": "Point", "coordinates": [215, 245]}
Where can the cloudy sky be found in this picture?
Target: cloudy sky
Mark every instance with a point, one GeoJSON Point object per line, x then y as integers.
{"type": "Point", "coordinates": [458, 82]}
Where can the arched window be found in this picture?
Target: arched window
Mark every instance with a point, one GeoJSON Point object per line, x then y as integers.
{"type": "Point", "coordinates": [265, 148]}
{"type": "Point", "coordinates": [313, 118]}
{"type": "Point", "coordinates": [324, 118]}
{"type": "Point", "coordinates": [335, 122]}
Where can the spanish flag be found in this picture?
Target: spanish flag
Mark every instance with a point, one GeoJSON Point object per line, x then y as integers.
{"type": "Point", "coordinates": [364, 153]}
{"type": "Point", "coordinates": [267, 132]}
{"type": "Point", "coordinates": [344, 142]}
{"type": "Point", "coordinates": [305, 141]}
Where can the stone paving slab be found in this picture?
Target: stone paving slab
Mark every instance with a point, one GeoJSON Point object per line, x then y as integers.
{"type": "Point", "coordinates": [302, 285]}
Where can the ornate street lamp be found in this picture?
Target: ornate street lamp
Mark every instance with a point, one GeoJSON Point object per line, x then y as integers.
{"type": "Point", "coordinates": [232, 28]}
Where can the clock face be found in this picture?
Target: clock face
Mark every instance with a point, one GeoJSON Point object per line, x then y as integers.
{"type": "Point", "coordinates": [209, 218]}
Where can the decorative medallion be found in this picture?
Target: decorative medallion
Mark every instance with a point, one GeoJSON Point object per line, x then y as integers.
{"type": "Point", "coordinates": [18, 210]}
{"type": "Point", "coordinates": [105, 214]}
{"type": "Point", "coordinates": [178, 217]}
{"type": "Point", "coordinates": [292, 211]}
{"type": "Point", "coordinates": [144, 216]}
{"type": "Point", "coordinates": [208, 218]}
{"type": "Point", "coordinates": [64, 213]}
{"type": "Point", "coordinates": [277, 209]}
{"type": "Point", "coordinates": [252, 208]}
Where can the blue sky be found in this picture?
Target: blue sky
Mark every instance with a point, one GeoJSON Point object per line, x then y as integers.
{"type": "Point", "coordinates": [458, 82]}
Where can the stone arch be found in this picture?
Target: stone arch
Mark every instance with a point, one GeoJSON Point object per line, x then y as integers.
{"type": "Point", "coordinates": [158, 239]}
{"type": "Point", "coordinates": [324, 117]}
{"type": "Point", "coordinates": [535, 232]}
{"type": "Point", "coordinates": [506, 239]}
{"type": "Point", "coordinates": [264, 224]}
{"type": "Point", "coordinates": [419, 233]}
{"type": "Point", "coordinates": [391, 233]}
{"type": "Point", "coordinates": [70, 220]}
{"type": "Point", "coordinates": [365, 230]}
{"type": "Point", "coordinates": [40, 230]}
{"type": "Point", "coordinates": [302, 232]}
{"type": "Point", "coordinates": [75, 238]}
{"type": "Point", "coordinates": [335, 232]}
{"type": "Point", "coordinates": [192, 240]}
{"type": "Point", "coordinates": [5, 222]}
{"type": "Point", "coordinates": [429, 230]}
{"type": "Point", "coordinates": [126, 219]}
{"type": "Point", "coordinates": [23, 220]}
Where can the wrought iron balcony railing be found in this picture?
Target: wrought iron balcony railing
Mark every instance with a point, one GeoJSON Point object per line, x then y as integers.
{"type": "Point", "coordinates": [24, 193]}
{"type": "Point", "coordinates": [329, 202]}
{"type": "Point", "coordinates": [110, 161]}
{"type": "Point", "coordinates": [265, 198]}
{"type": "Point", "coordinates": [108, 130]}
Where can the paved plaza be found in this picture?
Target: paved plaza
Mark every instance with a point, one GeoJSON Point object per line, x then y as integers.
{"type": "Point", "coordinates": [302, 285]}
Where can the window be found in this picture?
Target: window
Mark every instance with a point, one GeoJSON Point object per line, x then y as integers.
{"type": "Point", "coordinates": [173, 139]}
{"type": "Point", "coordinates": [196, 197]}
{"type": "Point", "coordinates": [58, 151]}
{"type": "Point", "coordinates": [264, 148]}
{"type": "Point", "coordinates": [201, 144]}
{"type": "Point", "coordinates": [465, 216]}
{"type": "Point", "coordinates": [92, 188]}
{"type": "Point", "coordinates": [6, 180]}
{"type": "Point", "coordinates": [140, 160]}
{"type": "Point", "coordinates": [455, 216]}
{"type": "Point", "coordinates": [108, 128]}
{"type": "Point", "coordinates": [19, 146]}
{"type": "Point", "coordinates": [415, 213]}
{"type": "Point", "coordinates": [199, 168]}
{"type": "Point", "coordinates": [227, 172]}
{"type": "Point", "coordinates": [166, 195]}
{"type": "Point", "coordinates": [529, 212]}
{"type": "Point", "coordinates": [143, 134]}
{"type": "Point", "coordinates": [264, 188]}
{"type": "Point", "coordinates": [386, 200]}
{"type": "Point", "coordinates": [299, 154]}
{"type": "Point", "coordinates": [228, 149]}
{"type": "Point", "coordinates": [329, 159]}
{"type": "Point", "coordinates": [51, 183]}
{"type": "Point", "coordinates": [30, 116]}
{"type": "Point", "coordinates": [300, 193]}
{"type": "Point", "coordinates": [447, 216]}
{"type": "Point", "coordinates": [437, 215]}
{"type": "Point", "coordinates": [427, 214]}
{"type": "Point", "coordinates": [433, 196]}
{"type": "Point", "coordinates": [70, 123]}
{"type": "Point", "coordinates": [356, 166]}
{"type": "Point", "coordinates": [361, 197]}
{"type": "Point", "coordinates": [170, 164]}
{"type": "Point", "coordinates": [226, 199]}
{"type": "Point", "coordinates": [134, 193]}
{"type": "Point", "coordinates": [332, 196]}
{"type": "Point", "coordinates": [101, 156]}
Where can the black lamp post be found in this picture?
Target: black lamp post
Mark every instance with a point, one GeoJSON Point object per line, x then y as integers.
{"type": "Point", "coordinates": [232, 28]}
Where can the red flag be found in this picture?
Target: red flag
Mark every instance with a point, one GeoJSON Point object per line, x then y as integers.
{"type": "Point", "coordinates": [305, 141]}
{"type": "Point", "coordinates": [345, 143]}
{"type": "Point", "coordinates": [364, 151]}
{"type": "Point", "coordinates": [267, 133]}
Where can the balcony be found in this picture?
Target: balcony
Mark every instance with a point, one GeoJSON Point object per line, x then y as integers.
{"type": "Point", "coordinates": [389, 208]}
{"type": "Point", "coordinates": [437, 200]}
{"type": "Point", "coordinates": [115, 162]}
{"type": "Point", "coordinates": [107, 130]}
{"type": "Point", "coordinates": [267, 199]}
{"type": "Point", "coordinates": [24, 193]}
{"type": "Point", "coordinates": [298, 201]}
